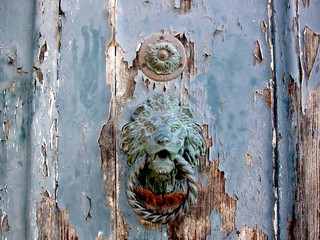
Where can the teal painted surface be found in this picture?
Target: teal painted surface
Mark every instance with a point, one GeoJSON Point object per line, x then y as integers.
{"type": "Point", "coordinates": [83, 101]}
{"type": "Point", "coordinates": [16, 34]}
{"type": "Point", "coordinates": [62, 109]}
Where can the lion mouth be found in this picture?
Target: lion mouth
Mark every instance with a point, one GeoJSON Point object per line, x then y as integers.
{"type": "Point", "coordinates": [161, 173]}
{"type": "Point", "coordinates": [164, 154]}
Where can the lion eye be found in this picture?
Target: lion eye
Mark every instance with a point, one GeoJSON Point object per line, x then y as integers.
{"type": "Point", "coordinates": [175, 128]}
{"type": "Point", "coordinates": [150, 128]}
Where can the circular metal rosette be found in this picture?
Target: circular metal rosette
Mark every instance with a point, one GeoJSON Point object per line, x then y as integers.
{"type": "Point", "coordinates": [162, 57]}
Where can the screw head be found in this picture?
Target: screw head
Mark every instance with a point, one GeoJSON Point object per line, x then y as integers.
{"type": "Point", "coordinates": [163, 54]}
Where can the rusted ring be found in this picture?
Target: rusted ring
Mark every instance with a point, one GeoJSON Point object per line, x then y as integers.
{"type": "Point", "coordinates": [180, 211]}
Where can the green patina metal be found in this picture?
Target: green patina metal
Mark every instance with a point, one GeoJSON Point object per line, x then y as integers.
{"type": "Point", "coordinates": [162, 57]}
{"type": "Point", "coordinates": [161, 132]}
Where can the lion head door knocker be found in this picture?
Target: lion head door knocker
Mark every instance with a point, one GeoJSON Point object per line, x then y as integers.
{"type": "Point", "coordinates": [162, 57]}
{"type": "Point", "coordinates": [163, 146]}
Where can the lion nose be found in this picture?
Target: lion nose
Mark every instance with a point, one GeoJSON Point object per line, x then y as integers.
{"type": "Point", "coordinates": [163, 140]}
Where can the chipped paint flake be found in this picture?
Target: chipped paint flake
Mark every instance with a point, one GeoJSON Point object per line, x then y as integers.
{"type": "Point", "coordinates": [249, 159]}
{"type": "Point", "coordinates": [267, 97]}
{"type": "Point", "coordinates": [39, 74]}
{"type": "Point", "coordinates": [252, 233]}
{"type": "Point", "coordinates": [264, 27]}
{"type": "Point", "coordinates": [43, 54]}
{"type": "Point", "coordinates": [257, 53]}
{"type": "Point", "coordinates": [5, 227]}
{"type": "Point", "coordinates": [6, 129]}
{"type": "Point", "coordinates": [100, 236]}
{"type": "Point", "coordinates": [45, 169]}
{"type": "Point", "coordinates": [49, 216]}
{"type": "Point", "coordinates": [311, 46]}
{"type": "Point", "coordinates": [183, 6]}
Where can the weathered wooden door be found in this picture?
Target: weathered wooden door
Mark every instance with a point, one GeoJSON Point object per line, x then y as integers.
{"type": "Point", "coordinates": [70, 79]}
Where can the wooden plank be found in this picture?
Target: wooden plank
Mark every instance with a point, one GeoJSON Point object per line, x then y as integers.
{"type": "Point", "coordinates": [83, 101]}
{"type": "Point", "coordinates": [16, 50]}
{"type": "Point", "coordinates": [310, 169]}
{"type": "Point", "coordinates": [307, 29]}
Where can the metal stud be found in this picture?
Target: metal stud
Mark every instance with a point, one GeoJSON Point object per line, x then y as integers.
{"type": "Point", "coordinates": [162, 57]}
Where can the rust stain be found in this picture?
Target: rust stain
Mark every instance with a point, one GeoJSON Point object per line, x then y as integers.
{"type": "Point", "coordinates": [5, 227]}
{"type": "Point", "coordinates": [210, 196]}
{"type": "Point", "coordinates": [311, 46]}
{"type": "Point", "coordinates": [257, 53]}
{"type": "Point", "coordinates": [248, 233]}
{"type": "Point", "coordinates": [266, 96]}
{"type": "Point", "coordinates": [52, 223]}
{"type": "Point", "coordinates": [159, 203]}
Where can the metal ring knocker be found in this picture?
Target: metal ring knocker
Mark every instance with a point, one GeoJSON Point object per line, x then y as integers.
{"type": "Point", "coordinates": [163, 146]}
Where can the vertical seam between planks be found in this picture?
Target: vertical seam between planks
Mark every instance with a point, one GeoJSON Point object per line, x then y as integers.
{"type": "Point", "coordinates": [274, 120]}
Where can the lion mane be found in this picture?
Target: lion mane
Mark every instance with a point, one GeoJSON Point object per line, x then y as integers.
{"type": "Point", "coordinates": [147, 118]}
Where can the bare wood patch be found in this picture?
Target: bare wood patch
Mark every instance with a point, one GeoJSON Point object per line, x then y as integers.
{"type": "Point", "coordinates": [183, 6]}
{"type": "Point", "coordinates": [257, 52]}
{"type": "Point", "coordinates": [5, 227]}
{"type": "Point", "coordinates": [121, 79]}
{"type": "Point", "coordinates": [45, 170]}
{"type": "Point", "coordinates": [249, 159]}
{"type": "Point", "coordinates": [210, 196]}
{"type": "Point", "coordinates": [190, 49]}
{"type": "Point", "coordinates": [266, 96]}
{"type": "Point", "coordinates": [311, 46]}
{"type": "Point", "coordinates": [248, 233]}
{"type": "Point", "coordinates": [310, 169]}
{"type": "Point", "coordinates": [6, 128]}
{"type": "Point", "coordinates": [53, 223]}
{"type": "Point", "coordinates": [39, 74]}
{"type": "Point", "coordinates": [43, 52]}
{"type": "Point", "coordinates": [11, 87]}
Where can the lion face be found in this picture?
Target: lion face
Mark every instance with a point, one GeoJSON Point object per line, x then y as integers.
{"type": "Point", "coordinates": [164, 133]}
{"type": "Point", "coordinates": [165, 137]}
{"type": "Point", "coordinates": [162, 129]}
